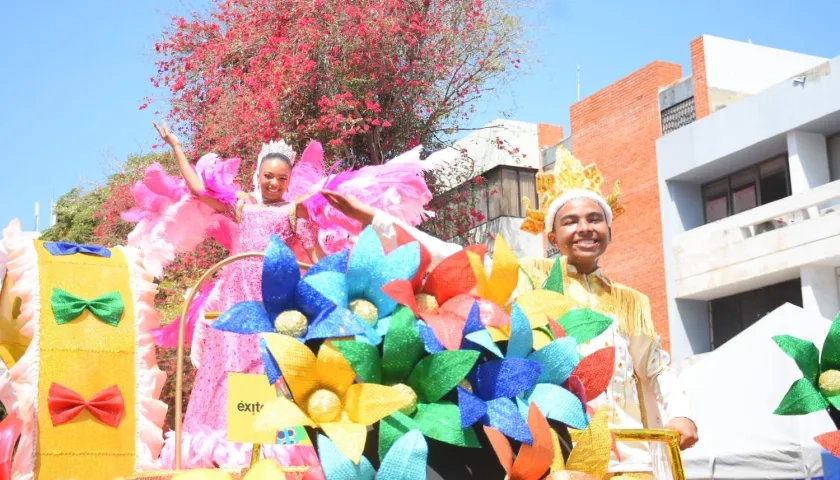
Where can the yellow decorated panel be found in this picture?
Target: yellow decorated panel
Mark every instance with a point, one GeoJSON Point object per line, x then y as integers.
{"type": "Point", "coordinates": [86, 277]}
{"type": "Point", "coordinates": [85, 356]}
{"type": "Point", "coordinates": [86, 373]}
{"type": "Point", "coordinates": [87, 467]}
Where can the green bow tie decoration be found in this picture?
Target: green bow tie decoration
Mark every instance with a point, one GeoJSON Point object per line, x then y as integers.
{"type": "Point", "coordinates": [67, 307]}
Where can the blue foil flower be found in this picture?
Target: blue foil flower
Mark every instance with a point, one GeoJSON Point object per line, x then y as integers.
{"type": "Point", "coordinates": [406, 460]}
{"type": "Point", "coordinates": [502, 388]}
{"type": "Point", "coordinates": [357, 293]}
{"type": "Point", "coordinates": [557, 361]}
{"type": "Point", "coordinates": [289, 305]}
{"type": "Point", "coordinates": [495, 384]}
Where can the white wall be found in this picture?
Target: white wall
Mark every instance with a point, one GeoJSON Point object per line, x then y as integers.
{"type": "Point", "coordinates": [819, 290]}
{"type": "Point", "coordinates": [748, 68]}
{"type": "Point", "coordinates": [834, 156]}
{"type": "Point", "coordinates": [482, 146]}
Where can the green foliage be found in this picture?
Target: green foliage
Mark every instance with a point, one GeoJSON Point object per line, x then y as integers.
{"type": "Point", "coordinates": [82, 215]}
{"type": "Point", "coordinates": [75, 212]}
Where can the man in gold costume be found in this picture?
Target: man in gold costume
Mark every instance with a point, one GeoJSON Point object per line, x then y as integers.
{"type": "Point", "coordinates": [577, 219]}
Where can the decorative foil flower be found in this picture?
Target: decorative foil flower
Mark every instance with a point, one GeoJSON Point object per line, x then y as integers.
{"type": "Point", "coordinates": [427, 379]}
{"type": "Point", "coordinates": [324, 395]}
{"type": "Point", "coordinates": [557, 361]}
{"type": "Point", "coordinates": [289, 306]}
{"type": "Point", "coordinates": [487, 397]}
{"type": "Point", "coordinates": [445, 299]}
{"type": "Point", "coordinates": [588, 460]}
{"type": "Point", "coordinates": [406, 460]}
{"type": "Point", "coordinates": [541, 306]}
{"type": "Point", "coordinates": [819, 387]}
{"type": "Point", "coordinates": [590, 457]}
{"type": "Point", "coordinates": [358, 291]}
{"type": "Point", "coordinates": [474, 335]}
{"type": "Point", "coordinates": [534, 460]}
{"type": "Point", "coordinates": [451, 277]}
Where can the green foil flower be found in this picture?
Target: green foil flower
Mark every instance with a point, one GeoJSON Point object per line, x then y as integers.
{"type": "Point", "coordinates": [405, 365]}
{"type": "Point", "coordinates": [820, 385]}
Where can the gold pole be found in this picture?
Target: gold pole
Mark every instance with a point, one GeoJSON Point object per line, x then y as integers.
{"type": "Point", "coordinates": [179, 365]}
{"type": "Point", "coordinates": [670, 437]}
{"type": "Point", "coordinates": [255, 454]}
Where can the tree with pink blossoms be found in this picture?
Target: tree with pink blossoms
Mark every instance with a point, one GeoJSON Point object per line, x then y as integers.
{"type": "Point", "coordinates": [367, 78]}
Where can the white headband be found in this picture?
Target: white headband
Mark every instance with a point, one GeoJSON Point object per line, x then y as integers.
{"type": "Point", "coordinates": [570, 195]}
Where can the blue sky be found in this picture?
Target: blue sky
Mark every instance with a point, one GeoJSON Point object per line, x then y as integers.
{"type": "Point", "coordinates": [74, 74]}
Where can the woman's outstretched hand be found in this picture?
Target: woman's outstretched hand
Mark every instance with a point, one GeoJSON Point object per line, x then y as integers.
{"type": "Point", "coordinates": [165, 134]}
{"type": "Point", "coordinates": [350, 206]}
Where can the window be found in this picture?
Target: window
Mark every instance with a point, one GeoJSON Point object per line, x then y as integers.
{"type": "Point", "coordinates": [774, 180]}
{"type": "Point", "coordinates": [716, 200]}
{"type": "Point", "coordinates": [757, 185]}
{"type": "Point", "coordinates": [732, 315]}
{"type": "Point", "coordinates": [744, 192]}
{"type": "Point", "coordinates": [498, 194]}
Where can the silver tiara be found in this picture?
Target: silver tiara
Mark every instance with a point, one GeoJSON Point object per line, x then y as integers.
{"type": "Point", "coordinates": [280, 147]}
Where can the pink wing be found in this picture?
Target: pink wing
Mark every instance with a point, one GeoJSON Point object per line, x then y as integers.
{"type": "Point", "coordinates": [171, 221]}
{"type": "Point", "coordinates": [397, 187]}
{"type": "Point", "coordinates": [167, 336]}
{"type": "Point", "coordinates": [308, 172]}
{"type": "Point", "coordinates": [219, 177]}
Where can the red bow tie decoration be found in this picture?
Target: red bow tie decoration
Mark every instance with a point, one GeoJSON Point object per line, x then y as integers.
{"type": "Point", "coordinates": [106, 406]}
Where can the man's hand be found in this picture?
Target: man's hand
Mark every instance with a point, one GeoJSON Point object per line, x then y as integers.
{"type": "Point", "coordinates": [687, 430]}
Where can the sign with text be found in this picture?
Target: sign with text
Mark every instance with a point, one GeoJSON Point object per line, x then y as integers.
{"type": "Point", "coordinates": [247, 395]}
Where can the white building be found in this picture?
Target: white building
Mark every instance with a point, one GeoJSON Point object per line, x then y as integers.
{"type": "Point", "coordinates": [507, 155]}
{"type": "Point", "coordinates": [746, 193]}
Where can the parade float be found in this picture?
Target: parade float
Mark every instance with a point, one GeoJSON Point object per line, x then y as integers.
{"type": "Point", "coordinates": [391, 373]}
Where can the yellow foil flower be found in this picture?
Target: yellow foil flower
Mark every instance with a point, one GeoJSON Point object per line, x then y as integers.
{"type": "Point", "coordinates": [591, 454]}
{"type": "Point", "coordinates": [325, 395]}
{"type": "Point", "coordinates": [538, 305]}
{"type": "Point", "coordinates": [504, 274]}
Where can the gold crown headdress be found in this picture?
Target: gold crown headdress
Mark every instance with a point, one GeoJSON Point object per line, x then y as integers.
{"type": "Point", "coordinates": [569, 174]}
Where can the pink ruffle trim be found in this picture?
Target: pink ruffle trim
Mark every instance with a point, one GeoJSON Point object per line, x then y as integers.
{"type": "Point", "coordinates": [210, 449]}
{"type": "Point", "coordinates": [149, 378]}
{"type": "Point", "coordinates": [23, 271]}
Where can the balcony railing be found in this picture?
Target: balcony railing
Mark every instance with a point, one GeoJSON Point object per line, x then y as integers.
{"type": "Point", "coordinates": [764, 241]}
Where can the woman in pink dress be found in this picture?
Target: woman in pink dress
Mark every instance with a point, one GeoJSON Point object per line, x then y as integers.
{"type": "Point", "coordinates": [174, 215]}
{"type": "Point", "coordinates": [259, 215]}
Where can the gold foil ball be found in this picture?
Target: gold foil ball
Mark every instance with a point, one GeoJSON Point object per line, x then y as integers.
{"type": "Point", "coordinates": [411, 407]}
{"type": "Point", "coordinates": [830, 382]}
{"type": "Point", "coordinates": [426, 303]}
{"type": "Point", "coordinates": [323, 406]}
{"type": "Point", "coordinates": [365, 310]}
{"type": "Point", "coordinates": [291, 323]}
{"type": "Point", "coordinates": [466, 385]}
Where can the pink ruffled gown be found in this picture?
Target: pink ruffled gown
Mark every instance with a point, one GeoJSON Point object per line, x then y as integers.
{"type": "Point", "coordinates": [204, 429]}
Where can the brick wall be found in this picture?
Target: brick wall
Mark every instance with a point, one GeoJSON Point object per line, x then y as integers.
{"type": "Point", "coordinates": [548, 135]}
{"type": "Point", "coordinates": [698, 71]}
{"type": "Point", "coordinates": [617, 128]}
